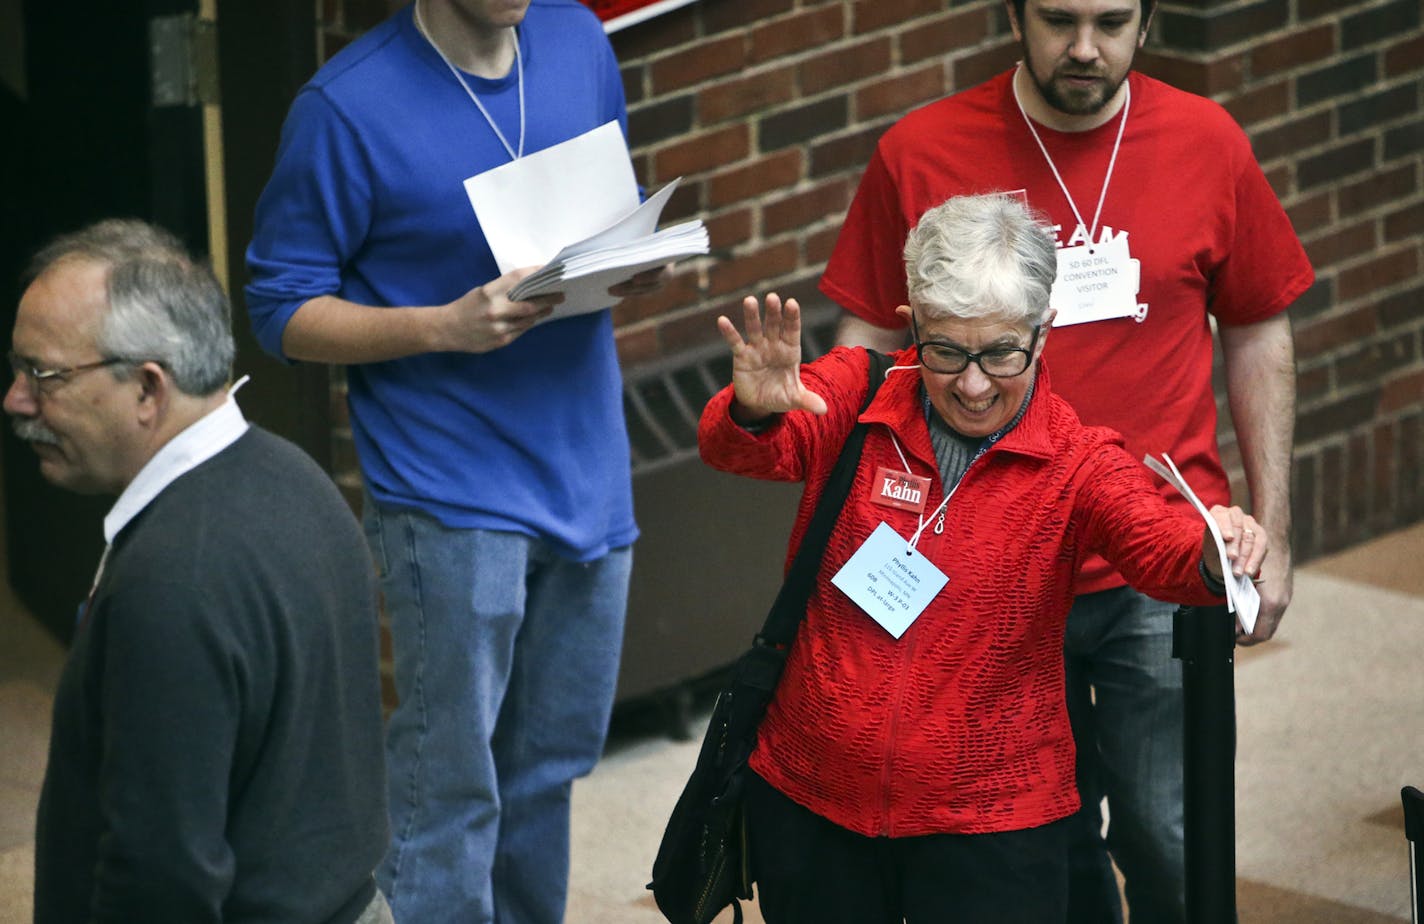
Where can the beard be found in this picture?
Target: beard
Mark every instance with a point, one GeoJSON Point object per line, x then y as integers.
{"type": "Point", "coordinates": [32, 431]}
{"type": "Point", "coordinates": [1070, 100]}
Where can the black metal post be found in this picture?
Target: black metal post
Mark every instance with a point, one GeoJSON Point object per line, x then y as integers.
{"type": "Point", "coordinates": [1414, 831]}
{"type": "Point", "coordinates": [1204, 640]}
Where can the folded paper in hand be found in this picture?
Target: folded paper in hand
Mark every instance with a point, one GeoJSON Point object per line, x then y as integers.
{"type": "Point", "coordinates": [576, 199]}
{"type": "Point", "coordinates": [583, 271]}
{"type": "Point", "coordinates": [1242, 597]}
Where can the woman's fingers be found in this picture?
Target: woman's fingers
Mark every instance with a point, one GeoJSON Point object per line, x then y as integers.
{"type": "Point", "coordinates": [729, 333]}
{"type": "Point", "coordinates": [1249, 546]}
{"type": "Point", "coordinates": [751, 318]}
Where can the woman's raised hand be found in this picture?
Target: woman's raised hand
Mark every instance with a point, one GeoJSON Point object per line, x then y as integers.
{"type": "Point", "coordinates": [766, 366]}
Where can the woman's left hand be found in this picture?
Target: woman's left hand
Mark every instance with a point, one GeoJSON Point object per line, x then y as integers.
{"type": "Point", "coordinates": [1246, 543]}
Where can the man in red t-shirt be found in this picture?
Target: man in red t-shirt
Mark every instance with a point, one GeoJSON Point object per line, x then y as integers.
{"type": "Point", "coordinates": [1164, 222]}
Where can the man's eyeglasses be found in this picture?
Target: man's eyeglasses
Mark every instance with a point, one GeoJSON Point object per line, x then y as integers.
{"type": "Point", "coordinates": [947, 359]}
{"type": "Point", "coordinates": [44, 379]}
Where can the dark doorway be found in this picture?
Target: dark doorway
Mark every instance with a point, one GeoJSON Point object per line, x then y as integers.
{"type": "Point", "coordinates": [85, 145]}
{"type": "Point", "coordinates": [85, 141]}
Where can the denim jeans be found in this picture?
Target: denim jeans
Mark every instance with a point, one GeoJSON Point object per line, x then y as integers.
{"type": "Point", "coordinates": [506, 658]}
{"type": "Point", "coordinates": [1125, 702]}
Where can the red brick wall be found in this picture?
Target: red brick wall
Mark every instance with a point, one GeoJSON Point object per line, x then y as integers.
{"type": "Point", "coordinates": [769, 109]}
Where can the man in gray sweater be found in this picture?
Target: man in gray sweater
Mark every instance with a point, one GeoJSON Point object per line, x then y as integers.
{"type": "Point", "coordinates": [216, 748]}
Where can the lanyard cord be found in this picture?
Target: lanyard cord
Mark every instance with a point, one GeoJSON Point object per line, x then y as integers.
{"type": "Point", "coordinates": [938, 512]}
{"type": "Point", "coordinates": [915, 539]}
{"type": "Point", "coordinates": [519, 68]}
{"type": "Point", "coordinates": [1112, 161]}
{"type": "Point", "coordinates": [984, 447]}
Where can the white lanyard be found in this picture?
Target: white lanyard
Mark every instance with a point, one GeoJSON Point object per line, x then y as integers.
{"type": "Point", "coordinates": [519, 69]}
{"type": "Point", "coordinates": [938, 511]}
{"type": "Point", "coordinates": [1126, 104]}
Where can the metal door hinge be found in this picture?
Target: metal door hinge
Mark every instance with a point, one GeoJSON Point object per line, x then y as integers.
{"type": "Point", "coordinates": [183, 60]}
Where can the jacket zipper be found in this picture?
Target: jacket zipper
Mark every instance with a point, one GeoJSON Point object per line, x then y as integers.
{"type": "Point", "coordinates": [889, 771]}
{"type": "Point", "coordinates": [906, 660]}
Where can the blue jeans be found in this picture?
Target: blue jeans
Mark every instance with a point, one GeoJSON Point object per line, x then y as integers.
{"type": "Point", "coordinates": [1125, 702]}
{"type": "Point", "coordinates": [506, 658]}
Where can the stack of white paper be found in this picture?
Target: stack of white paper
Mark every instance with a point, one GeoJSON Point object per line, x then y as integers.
{"type": "Point", "coordinates": [573, 210]}
{"type": "Point", "coordinates": [583, 271]}
{"type": "Point", "coordinates": [1242, 597]}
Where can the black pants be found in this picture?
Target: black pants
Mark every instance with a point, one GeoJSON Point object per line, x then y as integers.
{"type": "Point", "coordinates": [812, 871]}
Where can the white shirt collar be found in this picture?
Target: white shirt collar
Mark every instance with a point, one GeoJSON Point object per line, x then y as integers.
{"type": "Point", "coordinates": [198, 442]}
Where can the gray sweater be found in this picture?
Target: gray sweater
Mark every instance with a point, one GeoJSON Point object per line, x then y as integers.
{"type": "Point", "coordinates": [216, 751]}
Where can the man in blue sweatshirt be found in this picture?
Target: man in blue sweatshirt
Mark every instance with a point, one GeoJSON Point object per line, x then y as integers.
{"type": "Point", "coordinates": [494, 451]}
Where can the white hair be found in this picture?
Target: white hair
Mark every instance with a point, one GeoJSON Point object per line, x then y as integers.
{"type": "Point", "coordinates": [983, 256]}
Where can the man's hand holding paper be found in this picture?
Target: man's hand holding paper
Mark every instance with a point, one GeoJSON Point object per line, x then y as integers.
{"type": "Point", "coordinates": [644, 283]}
{"type": "Point", "coordinates": [573, 211]}
{"type": "Point", "coordinates": [486, 318]}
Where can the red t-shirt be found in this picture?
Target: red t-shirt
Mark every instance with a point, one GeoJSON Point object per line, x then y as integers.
{"type": "Point", "coordinates": [1205, 226]}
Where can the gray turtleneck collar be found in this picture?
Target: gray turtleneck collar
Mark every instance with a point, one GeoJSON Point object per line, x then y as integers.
{"type": "Point", "coordinates": [953, 450]}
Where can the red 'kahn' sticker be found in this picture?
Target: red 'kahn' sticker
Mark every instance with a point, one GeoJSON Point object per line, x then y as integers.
{"type": "Point", "coordinates": [900, 490]}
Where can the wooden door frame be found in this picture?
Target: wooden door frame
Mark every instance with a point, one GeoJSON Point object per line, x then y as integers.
{"type": "Point", "coordinates": [266, 51]}
{"type": "Point", "coordinates": [85, 142]}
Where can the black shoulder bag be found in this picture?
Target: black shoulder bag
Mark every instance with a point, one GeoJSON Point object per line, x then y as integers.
{"type": "Point", "coordinates": [702, 864]}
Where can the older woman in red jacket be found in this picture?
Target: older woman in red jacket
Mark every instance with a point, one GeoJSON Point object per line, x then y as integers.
{"type": "Point", "coordinates": [916, 762]}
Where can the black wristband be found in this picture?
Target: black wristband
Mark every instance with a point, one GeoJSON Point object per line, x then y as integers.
{"type": "Point", "coordinates": [1213, 584]}
{"type": "Point", "coordinates": [757, 426]}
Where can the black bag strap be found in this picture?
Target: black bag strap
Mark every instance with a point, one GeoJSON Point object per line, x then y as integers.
{"type": "Point", "coordinates": [790, 606]}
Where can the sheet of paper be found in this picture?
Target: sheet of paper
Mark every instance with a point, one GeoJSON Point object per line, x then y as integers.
{"type": "Point", "coordinates": [590, 293]}
{"type": "Point", "coordinates": [584, 280]}
{"type": "Point", "coordinates": [1242, 598]}
{"type": "Point", "coordinates": [639, 223]}
{"type": "Point", "coordinates": [667, 245]}
{"type": "Point", "coordinates": [533, 207]}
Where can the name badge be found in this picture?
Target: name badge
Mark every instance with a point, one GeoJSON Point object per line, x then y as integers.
{"type": "Point", "coordinates": [890, 581]}
{"type": "Point", "coordinates": [1096, 282]}
{"type": "Point", "coordinates": [900, 490]}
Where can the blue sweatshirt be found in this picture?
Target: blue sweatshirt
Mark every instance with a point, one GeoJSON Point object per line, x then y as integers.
{"type": "Point", "coordinates": [367, 203]}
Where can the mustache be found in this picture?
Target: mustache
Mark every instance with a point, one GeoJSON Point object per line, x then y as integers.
{"type": "Point", "coordinates": [32, 431]}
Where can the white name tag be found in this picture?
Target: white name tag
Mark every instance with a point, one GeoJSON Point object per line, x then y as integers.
{"type": "Point", "coordinates": [1095, 283]}
{"type": "Point", "coordinates": [889, 581]}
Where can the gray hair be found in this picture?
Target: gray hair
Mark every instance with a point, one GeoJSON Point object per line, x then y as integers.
{"type": "Point", "coordinates": [978, 257]}
{"type": "Point", "coordinates": [164, 306]}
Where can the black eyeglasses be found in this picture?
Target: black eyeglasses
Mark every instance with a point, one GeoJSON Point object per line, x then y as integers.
{"type": "Point", "coordinates": [948, 359]}
{"type": "Point", "coordinates": [42, 379]}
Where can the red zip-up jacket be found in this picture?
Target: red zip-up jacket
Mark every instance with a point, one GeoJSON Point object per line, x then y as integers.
{"type": "Point", "coordinates": [960, 725]}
